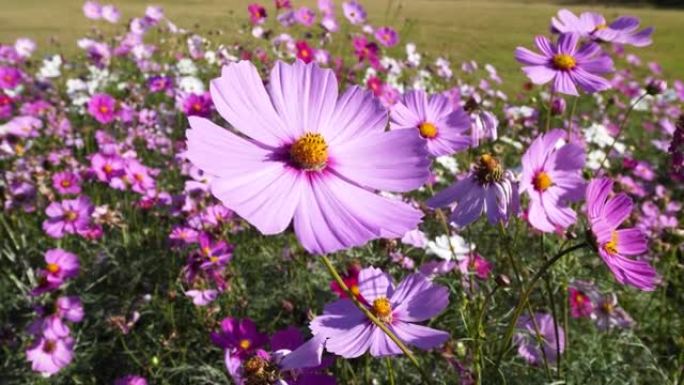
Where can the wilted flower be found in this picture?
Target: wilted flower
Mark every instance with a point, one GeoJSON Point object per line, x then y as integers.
{"type": "Point", "coordinates": [487, 189]}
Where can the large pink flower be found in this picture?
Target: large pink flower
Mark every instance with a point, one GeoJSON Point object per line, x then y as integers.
{"type": "Point", "coordinates": [307, 156]}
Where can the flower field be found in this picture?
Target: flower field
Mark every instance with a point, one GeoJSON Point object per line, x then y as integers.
{"type": "Point", "coordinates": [315, 199]}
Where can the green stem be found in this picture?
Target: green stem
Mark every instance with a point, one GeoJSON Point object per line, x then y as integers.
{"type": "Point", "coordinates": [548, 111]}
{"type": "Point", "coordinates": [525, 295]}
{"type": "Point", "coordinates": [552, 303]}
{"type": "Point", "coordinates": [620, 129]}
{"type": "Point", "coordinates": [336, 276]}
{"type": "Point", "coordinates": [390, 370]}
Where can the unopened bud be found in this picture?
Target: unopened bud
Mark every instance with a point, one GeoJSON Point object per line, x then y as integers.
{"type": "Point", "coordinates": [656, 87]}
{"type": "Point", "coordinates": [503, 280]}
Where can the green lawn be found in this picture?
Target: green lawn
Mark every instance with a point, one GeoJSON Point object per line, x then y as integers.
{"type": "Point", "coordinates": [484, 30]}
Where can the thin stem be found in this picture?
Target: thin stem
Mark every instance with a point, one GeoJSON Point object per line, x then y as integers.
{"type": "Point", "coordinates": [390, 370]}
{"type": "Point", "coordinates": [548, 111]}
{"type": "Point", "coordinates": [620, 129]}
{"type": "Point", "coordinates": [572, 116]}
{"type": "Point", "coordinates": [552, 303]}
{"type": "Point", "coordinates": [336, 276]}
{"type": "Point", "coordinates": [525, 295]}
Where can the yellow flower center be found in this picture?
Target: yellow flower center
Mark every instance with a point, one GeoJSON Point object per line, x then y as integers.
{"type": "Point", "coordinates": [542, 181]}
{"type": "Point", "coordinates": [427, 130]}
{"type": "Point", "coordinates": [382, 309]}
{"type": "Point", "coordinates": [70, 215]}
{"type": "Point", "coordinates": [608, 307]}
{"type": "Point", "coordinates": [563, 61]}
{"type": "Point", "coordinates": [104, 109]}
{"type": "Point", "coordinates": [310, 152]}
{"type": "Point", "coordinates": [107, 168]}
{"type": "Point", "coordinates": [66, 183]}
{"type": "Point", "coordinates": [601, 26]}
{"type": "Point", "coordinates": [245, 344]}
{"type": "Point", "coordinates": [355, 290]}
{"type": "Point", "coordinates": [53, 268]}
{"type": "Point", "coordinates": [214, 259]}
{"type": "Point", "coordinates": [488, 169]}
{"type": "Point", "coordinates": [611, 246]}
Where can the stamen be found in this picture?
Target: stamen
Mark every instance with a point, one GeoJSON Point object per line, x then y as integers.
{"type": "Point", "coordinates": [310, 152]}
{"type": "Point", "coordinates": [542, 181]}
{"type": "Point", "coordinates": [564, 62]}
{"type": "Point", "coordinates": [427, 130]}
{"type": "Point", "coordinates": [382, 308]}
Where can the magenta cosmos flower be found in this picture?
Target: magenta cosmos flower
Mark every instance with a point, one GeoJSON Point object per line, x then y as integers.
{"type": "Point", "coordinates": [624, 30]}
{"type": "Point", "coordinates": [66, 182]}
{"type": "Point", "coordinates": [536, 339]}
{"type": "Point", "coordinates": [350, 333]}
{"type": "Point", "coordinates": [102, 108]}
{"type": "Point", "coordinates": [487, 189]}
{"type": "Point", "coordinates": [60, 266]}
{"type": "Point", "coordinates": [566, 65]}
{"type": "Point", "coordinates": [309, 155]}
{"type": "Point", "coordinates": [257, 13]}
{"type": "Point", "coordinates": [552, 177]}
{"type": "Point", "coordinates": [69, 216]}
{"type": "Point", "coordinates": [131, 379]}
{"type": "Point", "coordinates": [442, 126]}
{"type": "Point", "coordinates": [387, 36]}
{"type": "Point", "coordinates": [614, 246]}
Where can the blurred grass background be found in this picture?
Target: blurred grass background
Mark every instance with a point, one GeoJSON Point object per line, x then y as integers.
{"type": "Point", "coordinates": [485, 30]}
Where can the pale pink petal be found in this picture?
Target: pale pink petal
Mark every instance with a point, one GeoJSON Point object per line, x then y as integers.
{"type": "Point", "coordinates": [419, 336]}
{"type": "Point", "coordinates": [241, 99]}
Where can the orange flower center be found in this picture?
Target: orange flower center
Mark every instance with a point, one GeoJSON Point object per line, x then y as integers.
{"type": "Point", "coordinates": [427, 130]}
{"type": "Point", "coordinates": [70, 215]}
{"type": "Point", "coordinates": [107, 168]}
{"type": "Point", "coordinates": [564, 62]}
{"type": "Point", "coordinates": [355, 290]}
{"type": "Point", "coordinates": [542, 181]}
{"type": "Point", "coordinates": [310, 152]}
{"type": "Point", "coordinates": [611, 247]}
{"type": "Point", "coordinates": [104, 109]}
{"type": "Point", "coordinates": [382, 309]}
{"type": "Point", "coordinates": [66, 183]}
{"type": "Point", "coordinates": [53, 268]}
{"type": "Point", "coordinates": [245, 344]}
{"type": "Point", "coordinates": [488, 169]}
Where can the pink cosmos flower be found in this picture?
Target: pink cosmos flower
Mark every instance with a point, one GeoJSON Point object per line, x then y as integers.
{"type": "Point", "coordinates": [111, 13]}
{"type": "Point", "coordinates": [532, 350]}
{"type": "Point", "coordinates": [487, 189]}
{"type": "Point", "coordinates": [566, 65]}
{"type": "Point", "coordinates": [92, 10]}
{"type": "Point", "coordinates": [552, 178]}
{"type": "Point", "coordinates": [354, 12]}
{"type": "Point", "coordinates": [138, 176]}
{"type": "Point", "coordinates": [305, 16]}
{"type": "Point", "coordinates": [240, 340]}
{"type": "Point", "coordinates": [49, 355]}
{"type": "Point", "coordinates": [257, 13]}
{"type": "Point", "coordinates": [304, 52]}
{"type": "Point", "coordinates": [69, 216]}
{"type": "Point", "coordinates": [102, 108]}
{"type": "Point", "coordinates": [60, 266]}
{"type": "Point", "coordinates": [66, 182]}
{"type": "Point", "coordinates": [387, 36]}
{"type": "Point", "coordinates": [443, 127]}
{"type": "Point", "coordinates": [350, 333]}
{"type": "Point", "coordinates": [351, 280]}
{"type": "Point", "coordinates": [605, 215]}
{"type": "Point", "coordinates": [580, 303]}
{"type": "Point", "coordinates": [307, 157]}
{"type": "Point", "coordinates": [593, 25]}
{"type": "Point", "coordinates": [10, 77]}
{"type": "Point", "coordinates": [130, 379]}
{"type": "Point", "coordinates": [366, 50]}
{"type": "Point", "coordinates": [109, 169]}
{"type": "Point", "coordinates": [202, 297]}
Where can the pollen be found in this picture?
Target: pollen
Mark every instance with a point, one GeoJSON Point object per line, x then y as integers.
{"type": "Point", "coordinates": [427, 130]}
{"type": "Point", "coordinates": [53, 268]}
{"type": "Point", "coordinates": [382, 309]}
{"type": "Point", "coordinates": [564, 62]}
{"type": "Point", "coordinates": [611, 246]}
{"type": "Point", "coordinates": [488, 169]}
{"type": "Point", "coordinates": [245, 344]}
{"type": "Point", "coordinates": [310, 152]}
{"type": "Point", "coordinates": [542, 181]}
{"type": "Point", "coordinates": [355, 290]}
{"type": "Point", "coordinates": [70, 215]}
